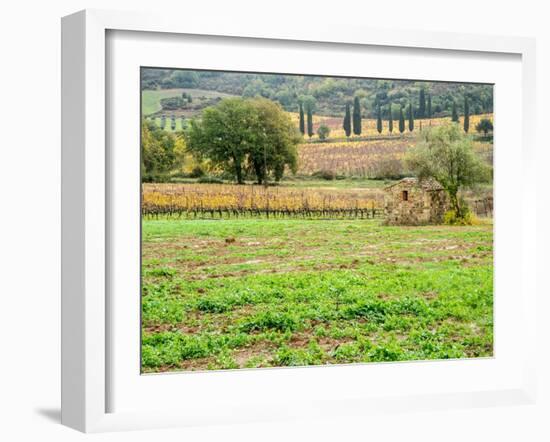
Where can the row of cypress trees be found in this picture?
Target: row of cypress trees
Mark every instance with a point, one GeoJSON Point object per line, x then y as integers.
{"type": "Point", "coordinates": [352, 120]}
{"type": "Point", "coordinates": [424, 111]}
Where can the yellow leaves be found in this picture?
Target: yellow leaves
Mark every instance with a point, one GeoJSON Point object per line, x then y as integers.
{"type": "Point", "coordinates": [162, 198]}
{"type": "Point", "coordinates": [356, 158]}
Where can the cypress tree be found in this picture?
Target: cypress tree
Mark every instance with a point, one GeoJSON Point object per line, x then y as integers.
{"type": "Point", "coordinates": [401, 120]}
{"type": "Point", "coordinates": [390, 122]}
{"type": "Point", "coordinates": [411, 118]}
{"type": "Point", "coordinates": [421, 104]}
{"type": "Point", "coordinates": [356, 116]}
{"type": "Point", "coordinates": [466, 115]}
{"type": "Point", "coordinates": [302, 125]}
{"type": "Point", "coordinates": [379, 120]}
{"type": "Point", "coordinates": [454, 116]}
{"type": "Point", "coordinates": [309, 122]}
{"type": "Point", "coordinates": [347, 121]}
{"type": "Point", "coordinates": [429, 107]}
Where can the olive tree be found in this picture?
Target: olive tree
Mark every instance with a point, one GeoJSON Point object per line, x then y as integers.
{"type": "Point", "coordinates": [446, 154]}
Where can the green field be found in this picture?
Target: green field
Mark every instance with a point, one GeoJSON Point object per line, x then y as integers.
{"type": "Point", "coordinates": [258, 293]}
{"type": "Point", "coordinates": [150, 99]}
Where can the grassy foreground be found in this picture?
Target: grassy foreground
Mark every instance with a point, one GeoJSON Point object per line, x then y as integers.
{"type": "Point", "coordinates": [257, 293]}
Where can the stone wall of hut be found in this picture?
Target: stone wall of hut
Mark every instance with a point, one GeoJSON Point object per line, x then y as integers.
{"type": "Point", "coordinates": [420, 207]}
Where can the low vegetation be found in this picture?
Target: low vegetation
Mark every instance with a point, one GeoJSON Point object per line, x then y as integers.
{"type": "Point", "coordinates": [261, 293]}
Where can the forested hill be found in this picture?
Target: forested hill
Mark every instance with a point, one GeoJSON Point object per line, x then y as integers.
{"type": "Point", "coordinates": [329, 95]}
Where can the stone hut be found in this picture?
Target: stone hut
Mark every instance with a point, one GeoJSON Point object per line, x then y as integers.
{"type": "Point", "coordinates": [413, 202]}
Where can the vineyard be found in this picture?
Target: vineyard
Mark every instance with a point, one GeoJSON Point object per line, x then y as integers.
{"type": "Point", "coordinates": [353, 158]}
{"type": "Point", "coordinates": [234, 201]}
{"type": "Point", "coordinates": [368, 126]}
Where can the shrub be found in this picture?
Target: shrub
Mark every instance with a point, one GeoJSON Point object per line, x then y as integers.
{"type": "Point", "coordinates": [465, 219]}
{"type": "Point", "coordinates": [197, 172]}
{"type": "Point", "coordinates": [328, 175]}
{"type": "Point", "coordinates": [172, 103]}
{"type": "Point", "coordinates": [485, 125]}
{"type": "Point", "coordinates": [323, 132]}
{"type": "Point", "coordinates": [388, 169]}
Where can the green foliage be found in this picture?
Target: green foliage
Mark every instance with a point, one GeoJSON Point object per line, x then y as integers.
{"type": "Point", "coordinates": [309, 122]}
{"type": "Point", "coordinates": [411, 118]}
{"type": "Point", "coordinates": [157, 152]}
{"type": "Point", "coordinates": [485, 125]}
{"type": "Point", "coordinates": [465, 218]}
{"type": "Point", "coordinates": [302, 125]}
{"type": "Point", "coordinates": [466, 115]}
{"type": "Point", "coordinates": [429, 107]}
{"type": "Point", "coordinates": [447, 155]}
{"type": "Point", "coordinates": [421, 103]}
{"type": "Point", "coordinates": [454, 116]}
{"type": "Point", "coordinates": [379, 120]}
{"type": "Point", "coordinates": [179, 78]}
{"type": "Point", "coordinates": [323, 132]}
{"type": "Point", "coordinates": [205, 179]}
{"type": "Point", "coordinates": [390, 119]}
{"type": "Point", "coordinates": [401, 120]}
{"type": "Point", "coordinates": [347, 121]}
{"type": "Point", "coordinates": [311, 293]}
{"type": "Point", "coordinates": [172, 103]}
{"type": "Point", "coordinates": [356, 116]}
{"type": "Point", "coordinates": [280, 321]}
{"type": "Point", "coordinates": [239, 133]}
{"type": "Point", "coordinates": [328, 94]}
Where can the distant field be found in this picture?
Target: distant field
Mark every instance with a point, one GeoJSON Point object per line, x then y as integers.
{"type": "Point", "coordinates": [151, 98]}
{"type": "Point", "coordinates": [372, 154]}
{"type": "Point", "coordinates": [368, 125]}
{"type": "Point", "coordinates": [352, 158]}
{"type": "Point", "coordinates": [260, 293]}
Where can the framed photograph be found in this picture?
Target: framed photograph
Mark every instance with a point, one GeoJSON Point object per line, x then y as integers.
{"type": "Point", "coordinates": [263, 224]}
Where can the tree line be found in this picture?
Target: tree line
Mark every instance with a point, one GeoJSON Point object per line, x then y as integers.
{"type": "Point", "coordinates": [352, 119]}
{"type": "Point", "coordinates": [328, 94]}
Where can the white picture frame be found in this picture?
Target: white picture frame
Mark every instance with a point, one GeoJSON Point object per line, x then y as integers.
{"type": "Point", "coordinates": [86, 315]}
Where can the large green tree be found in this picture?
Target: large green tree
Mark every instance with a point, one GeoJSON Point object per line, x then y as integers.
{"type": "Point", "coordinates": [276, 140]}
{"type": "Point", "coordinates": [429, 107]}
{"type": "Point", "coordinates": [447, 155]}
{"type": "Point", "coordinates": [238, 132]}
{"type": "Point", "coordinates": [390, 120]}
{"type": "Point", "coordinates": [357, 116]}
{"type": "Point", "coordinates": [347, 121]}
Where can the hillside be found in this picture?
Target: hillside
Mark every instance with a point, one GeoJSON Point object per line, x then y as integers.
{"type": "Point", "coordinates": [327, 96]}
